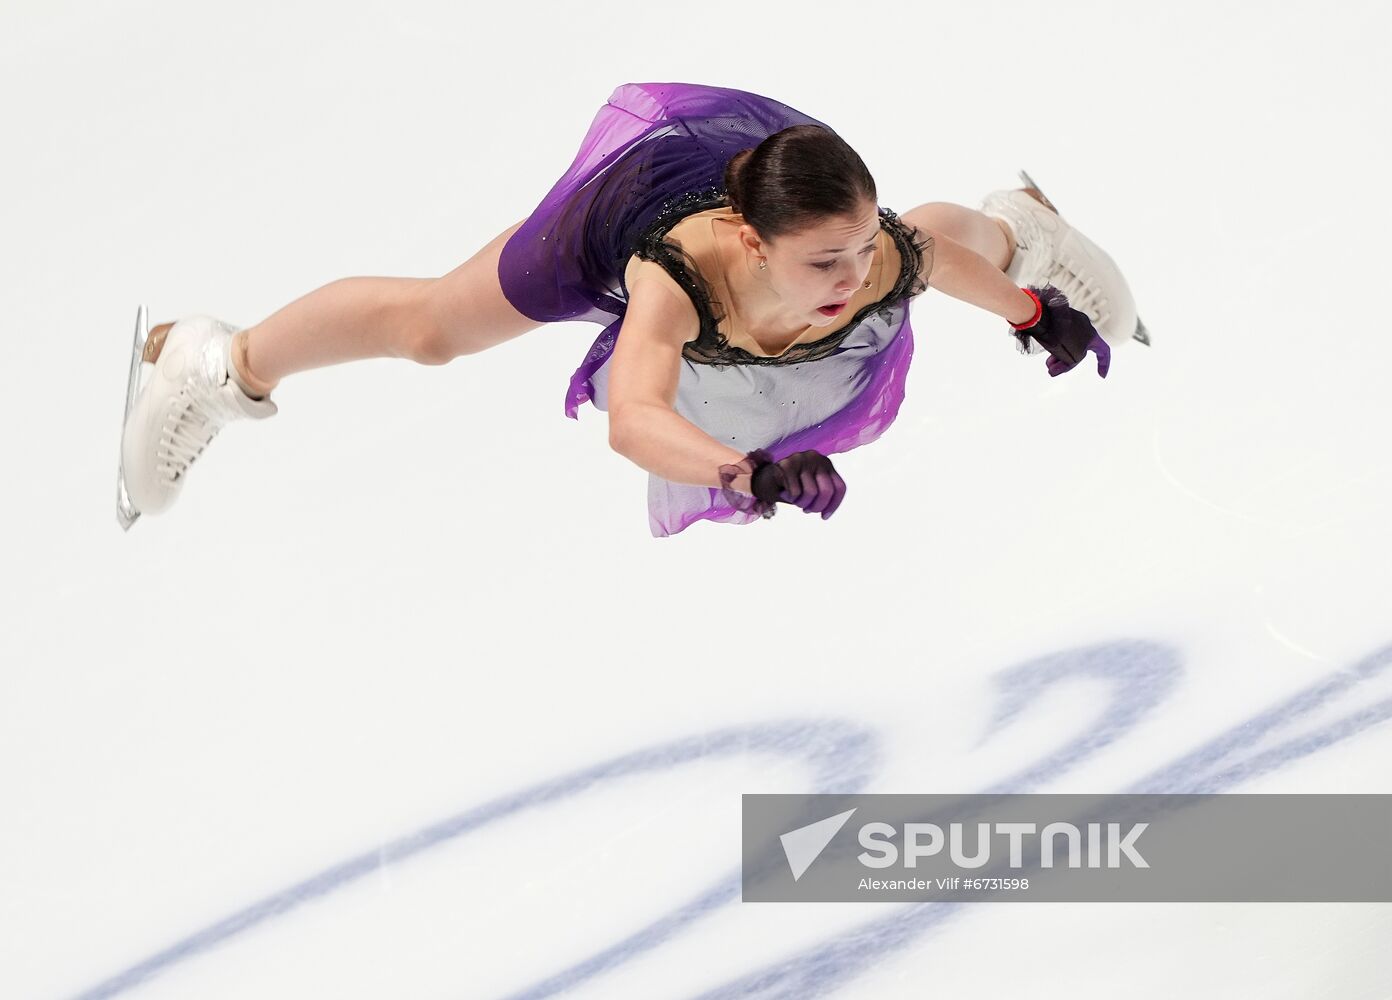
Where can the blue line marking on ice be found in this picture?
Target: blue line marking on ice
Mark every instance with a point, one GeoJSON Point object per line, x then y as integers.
{"type": "Point", "coordinates": [844, 757]}
{"type": "Point", "coordinates": [827, 965]}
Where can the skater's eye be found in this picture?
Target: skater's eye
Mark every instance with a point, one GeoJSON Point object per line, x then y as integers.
{"type": "Point", "coordinates": [825, 265]}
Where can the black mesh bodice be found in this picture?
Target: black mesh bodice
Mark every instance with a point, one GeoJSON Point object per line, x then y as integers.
{"type": "Point", "coordinates": [710, 346]}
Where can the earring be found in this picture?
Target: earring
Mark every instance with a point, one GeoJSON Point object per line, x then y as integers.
{"type": "Point", "coordinates": [763, 264]}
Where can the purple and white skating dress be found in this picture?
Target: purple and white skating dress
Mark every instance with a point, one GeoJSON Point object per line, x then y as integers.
{"type": "Point", "coordinates": [649, 180]}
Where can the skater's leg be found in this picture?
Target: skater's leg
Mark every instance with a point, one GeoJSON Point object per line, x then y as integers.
{"type": "Point", "coordinates": [345, 320]}
{"type": "Point", "coordinates": [987, 236]}
{"type": "Point", "coordinates": [188, 380]}
{"type": "Point", "coordinates": [468, 310]}
{"type": "Point", "coordinates": [428, 320]}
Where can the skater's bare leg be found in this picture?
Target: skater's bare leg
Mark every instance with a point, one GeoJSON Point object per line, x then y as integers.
{"type": "Point", "coordinates": [987, 236]}
{"type": "Point", "coordinates": [345, 320]}
{"type": "Point", "coordinates": [427, 320]}
{"type": "Point", "coordinates": [178, 401]}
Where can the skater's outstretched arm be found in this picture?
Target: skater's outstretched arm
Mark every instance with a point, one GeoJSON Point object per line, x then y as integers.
{"type": "Point", "coordinates": [965, 274]}
{"type": "Point", "coordinates": [971, 252]}
{"type": "Point", "coordinates": [644, 427]}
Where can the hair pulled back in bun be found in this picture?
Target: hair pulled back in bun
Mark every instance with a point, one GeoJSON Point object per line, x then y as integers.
{"type": "Point", "coordinates": [795, 178]}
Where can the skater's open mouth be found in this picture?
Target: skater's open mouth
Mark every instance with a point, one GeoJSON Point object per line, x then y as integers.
{"type": "Point", "coordinates": [832, 309]}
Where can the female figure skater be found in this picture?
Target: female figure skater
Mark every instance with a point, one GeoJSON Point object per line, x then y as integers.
{"type": "Point", "coordinates": [761, 292]}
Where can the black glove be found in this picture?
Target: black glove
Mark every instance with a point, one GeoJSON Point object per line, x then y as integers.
{"type": "Point", "coordinates": [805, 479]}
{"type": "Point", "coordinates": [1066, 333]}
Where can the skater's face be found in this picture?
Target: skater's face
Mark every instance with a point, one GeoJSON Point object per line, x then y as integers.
{"type": "Point", "coordinates": [824, 264]}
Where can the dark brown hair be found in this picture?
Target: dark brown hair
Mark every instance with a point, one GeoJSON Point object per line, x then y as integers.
{"type": "Point", "coordinates": [796, 178]}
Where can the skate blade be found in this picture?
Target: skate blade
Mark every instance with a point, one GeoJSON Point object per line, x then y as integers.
{"type": "Point", "coordinates": [1141, 334]}
{"type": "Point", "coordinates": [1033, 189]}
{"type": "Point", "coordinates": [126, 513]}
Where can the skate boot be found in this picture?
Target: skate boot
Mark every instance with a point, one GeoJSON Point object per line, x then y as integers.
{"type": "Point", "coordinates": [179, 395]}
{"type": "Point", "coordinates": [1050, 251]}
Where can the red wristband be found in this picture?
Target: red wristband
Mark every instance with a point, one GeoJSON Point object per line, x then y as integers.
{"type": "Point", "coordinates": [1038, 311]}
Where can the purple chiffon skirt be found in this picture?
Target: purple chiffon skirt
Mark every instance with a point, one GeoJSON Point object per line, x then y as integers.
{"type": "Point", "coordinates": [649, 145]}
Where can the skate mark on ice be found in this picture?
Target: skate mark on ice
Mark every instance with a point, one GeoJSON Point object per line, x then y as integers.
{"type": "Point", "coordinates": [1293, 527]}
{"type": "Point", "coordinates": [1291, 644]}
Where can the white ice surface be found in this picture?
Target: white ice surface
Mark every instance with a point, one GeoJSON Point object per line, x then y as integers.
{"type": "Point", "coordinates": [418, 593]}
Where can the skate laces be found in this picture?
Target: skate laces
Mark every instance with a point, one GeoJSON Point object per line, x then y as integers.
{"type": "Point", "coordinates": [190, 424]}
{"type": "Point", "coordinates": [184, 440]}
{"type": "Point", "coordinates": [1067, 274]}
{"type": "Point", "coordinates": [1068, 277]}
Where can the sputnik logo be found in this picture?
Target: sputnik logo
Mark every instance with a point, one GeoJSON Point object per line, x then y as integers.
{"type": "Point", "coordinates": [805, 844]}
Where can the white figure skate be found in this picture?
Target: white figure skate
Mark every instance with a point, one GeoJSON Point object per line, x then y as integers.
{"type": "Point", "coordinates": [178, 396]}
{"type": "Point", "coordinates": [1050, 251]}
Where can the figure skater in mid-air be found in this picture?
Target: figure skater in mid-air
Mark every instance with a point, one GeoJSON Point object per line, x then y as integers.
{"type": "Point", "coordinates": [754, 299]}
